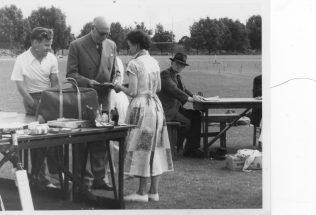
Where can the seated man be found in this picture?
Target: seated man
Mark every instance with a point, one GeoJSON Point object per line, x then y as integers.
{"type": "Point", "coordinates": [257, 92]}
{"type": "Point", "coordinates": [173, 96]}
{"type": "Point", "coordinates": [256, 115]}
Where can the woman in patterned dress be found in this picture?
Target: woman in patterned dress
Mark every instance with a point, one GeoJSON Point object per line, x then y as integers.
{"type": "Point", "coordinates": [148, 149]}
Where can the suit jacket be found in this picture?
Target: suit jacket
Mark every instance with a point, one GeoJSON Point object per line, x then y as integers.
{"type": "Point", "coordinates": [173, 94]}
{"type": "Point", "coordinates": [256, 92]}
{"type": "Point", "coordinates": [257, 86]}
{"type": "Point", "coordinates": [84, 63]}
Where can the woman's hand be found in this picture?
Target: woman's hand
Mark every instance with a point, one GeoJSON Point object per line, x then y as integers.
{"type": "Point", "coordinates": [117, 87]}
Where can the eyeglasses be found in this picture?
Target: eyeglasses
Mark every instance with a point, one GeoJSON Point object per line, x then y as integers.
{"type": "Point", "coordinates": [102, 33]}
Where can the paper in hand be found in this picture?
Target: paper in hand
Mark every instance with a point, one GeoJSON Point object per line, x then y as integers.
{"type": "Point", "coordinates": [105, 85]}
{"type": "Point", "coordinates": [103, 88]}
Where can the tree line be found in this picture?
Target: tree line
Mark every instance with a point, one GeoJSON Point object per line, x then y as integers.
{"type": "Point", "coordinates": [210, 35]}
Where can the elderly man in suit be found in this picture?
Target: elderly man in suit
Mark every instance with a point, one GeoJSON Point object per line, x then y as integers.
{"type": "Point", "coordinates": [91, 61]}
{"type": "Point", "coordinates": [173, 96]}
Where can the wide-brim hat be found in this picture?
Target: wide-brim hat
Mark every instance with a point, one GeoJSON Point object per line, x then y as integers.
{"type": "Point", "coordinates": [180, 58]}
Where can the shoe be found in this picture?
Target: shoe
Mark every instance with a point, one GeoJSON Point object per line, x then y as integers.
{"type": "Point", "coordinates": [87, 196]}
{"type": "Point", "coordinates": [195, 153]}
{"type": "Point", "coordinates": [41, 185]}
{"type": "Point", "coordinates": [153, 197]}
{"type": "Point", "coordinates": [50, 185]}
{"type": "Point", "coordinates": [101, 185]}
{"type": "Point", "coordinates": [128, 177]}
{"type": "Point", "coordinates": [135, 197]}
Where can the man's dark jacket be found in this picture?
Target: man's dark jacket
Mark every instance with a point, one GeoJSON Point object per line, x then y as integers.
{"type": "Point", "coordinates": [173, 94]}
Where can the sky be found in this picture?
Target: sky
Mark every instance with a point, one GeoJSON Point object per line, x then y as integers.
{"type": "Point", "coordinates": [174, 15]}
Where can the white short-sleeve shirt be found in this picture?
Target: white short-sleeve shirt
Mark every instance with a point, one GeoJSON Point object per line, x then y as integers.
{"type": "Point", "coordinates": [35, 74]}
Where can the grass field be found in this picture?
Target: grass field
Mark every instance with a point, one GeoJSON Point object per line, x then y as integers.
{"type": "Point", "coordinates": [195, 183]}
{"type": "Point", "coordinates": [232, 78]}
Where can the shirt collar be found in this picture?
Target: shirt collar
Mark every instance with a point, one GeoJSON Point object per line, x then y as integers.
{"type": "Point", "coordinates": [173, 71]}
{"type": "Point", "coordinates": [96, 43]}
{"type": "Point", "coordinates": [30, 56]}
{"type": "Point", "coordinates": [140, 53]}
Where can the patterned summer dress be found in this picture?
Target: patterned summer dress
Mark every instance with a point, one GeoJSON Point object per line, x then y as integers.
{"type": "Point", "coordinates": [148, 149]}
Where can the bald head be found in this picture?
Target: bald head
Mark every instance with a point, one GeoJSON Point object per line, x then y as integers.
{"type": "Point", "coordinates": [100, 22]}
{"type": "Point", "coordinates": [101, 29]}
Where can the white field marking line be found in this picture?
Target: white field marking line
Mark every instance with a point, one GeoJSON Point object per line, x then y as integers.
{"type": "Point", "coordinates": [7, 59]}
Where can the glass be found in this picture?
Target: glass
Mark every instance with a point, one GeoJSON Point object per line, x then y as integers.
{"type": "Point", "coordinates": [102, 33]}
{"type": "Point", "coordinates": [115, 116]}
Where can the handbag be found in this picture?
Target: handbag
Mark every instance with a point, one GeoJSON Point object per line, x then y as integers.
{"type": "Point", "coordinates": [70, 102]}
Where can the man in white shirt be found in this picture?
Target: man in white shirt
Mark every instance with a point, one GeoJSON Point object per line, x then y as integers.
{"type": "Point", "coordinates": [36, 70]}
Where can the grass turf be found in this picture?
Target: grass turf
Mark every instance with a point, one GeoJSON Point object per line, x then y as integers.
{"type": "Point", "coordinates": [195, 183]}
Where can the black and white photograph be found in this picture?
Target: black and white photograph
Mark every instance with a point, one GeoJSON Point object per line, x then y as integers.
{"type": "Point", "coordinates": [134, 105]}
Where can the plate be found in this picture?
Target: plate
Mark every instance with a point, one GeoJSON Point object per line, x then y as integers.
{"type": "Point", "coordinates": [63, 130]}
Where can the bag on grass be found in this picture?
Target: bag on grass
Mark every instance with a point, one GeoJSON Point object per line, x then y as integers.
{"type": "Point", "coordinates": [68, 103]}
{"type": "Point", "coordinates": [249, 155]}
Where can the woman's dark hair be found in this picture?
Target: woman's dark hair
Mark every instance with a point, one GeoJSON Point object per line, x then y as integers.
{"type": "Point", "coordinates": [139, 37]}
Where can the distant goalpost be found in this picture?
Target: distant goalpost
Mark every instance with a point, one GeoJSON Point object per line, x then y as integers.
{"type": "Point", "coordinates": [166, 43]}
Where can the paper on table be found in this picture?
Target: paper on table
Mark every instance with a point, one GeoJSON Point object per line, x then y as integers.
{"type": "Point", "coordinates": [214, 98]}
{"type": "Point", "coordinates": [122, 124]}
{"type": "Point", "coordinates": [100, 124]}
{"type": "Point", "coordinates": [12, 125]}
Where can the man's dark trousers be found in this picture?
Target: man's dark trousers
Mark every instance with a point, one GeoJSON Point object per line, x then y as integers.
{"type": "Point", "coordinates": [190, 128]}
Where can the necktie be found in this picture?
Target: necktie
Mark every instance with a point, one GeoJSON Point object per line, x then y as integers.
{"type": "Point", "coordinates": [180, 85]}
{"type": "Point", "coordinates": [99, 48]}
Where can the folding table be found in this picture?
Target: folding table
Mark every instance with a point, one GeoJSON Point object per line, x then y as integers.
{"type": "Point", "coordinates": [223, 103]}
{"type": "Point", "coordinates": [26, 142]}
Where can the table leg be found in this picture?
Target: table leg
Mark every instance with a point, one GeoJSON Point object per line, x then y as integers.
{"type": "Point", "coordinates": [72, 176]}
{"type": "Point", "coordinates": [121, 173]}
{"type": "Point", "coordinates": [20, 156]}
{"type": "Point", "coordinates": [227, 127]}
{"type": "Point", "coordinates": [74, 170]}
{"type": "Point", "coordinates": [223, 137]}
{"type": "Point", "coordinates": [111, 168]}
{"type": "Point", "coordinates": [26, 159]}
{"type": "Point", "coordinates": [205, 133]}
{"type": "Point", "coordinates": [6, 158]}
{"type": "Point", "coordinates": [67, 192]}
{"type": "Point", "coordinates": [254, 135]}
{"type": "Point", "coordinates": [60, 157]}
